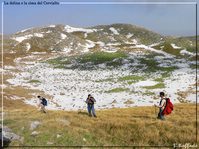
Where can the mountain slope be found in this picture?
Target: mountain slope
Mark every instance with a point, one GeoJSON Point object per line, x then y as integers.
{"type": "Point", "coordinates": [113, 37]}
{"type": "Point", "coordinates": [116, 62]}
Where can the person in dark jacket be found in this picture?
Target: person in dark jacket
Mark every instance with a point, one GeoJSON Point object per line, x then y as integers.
{"type": "Point", "coordinates": [42, 104]}
{"type": "Point", "coordinates": [90, 105]}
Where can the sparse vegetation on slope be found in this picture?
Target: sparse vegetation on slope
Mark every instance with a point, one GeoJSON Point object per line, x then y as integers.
{"type": "Point", "coordinates": [123, 37]}
{"type": "Point", "coordinates": [101, 57]}
{"type": "Point", "coordinates": [116, 90]}
{"type": "Point", "coordinates": [159, 85]}
{"type": "Point", "coordinates": [130, 78]}
{"type": "Point", "coordinates": [89, 60]}
{"type": "Point", "coordinates": [34, 81]}
{"type": "Point", "coordinates": [141, 34]}
{"type": "Point", "coordinates": [181, 42]}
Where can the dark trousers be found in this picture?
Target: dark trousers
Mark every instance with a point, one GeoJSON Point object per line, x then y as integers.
{"type": "Point", "coordinates": [160, 115]}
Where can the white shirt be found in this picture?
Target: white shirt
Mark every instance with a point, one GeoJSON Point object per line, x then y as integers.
{"type": "Point", "coordinates": [162, 103]}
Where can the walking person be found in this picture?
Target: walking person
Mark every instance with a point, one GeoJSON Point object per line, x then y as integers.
{"type": "Point", "coordinates": [90, 105]}
{"type": "Point", "coordinates": [42, 103]}
{"type": "Point", "coordinates": [161, 106]}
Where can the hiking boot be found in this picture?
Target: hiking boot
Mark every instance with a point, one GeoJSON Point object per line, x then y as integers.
{"type": "Point", "coordinates": [95, 116]}
{"type": "Point", "coordinates": [43, 111]}
{"type": "Point", "coordinates": [89, 115]}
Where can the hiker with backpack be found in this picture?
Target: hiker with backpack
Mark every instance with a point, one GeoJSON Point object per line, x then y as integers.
{"type": "Point", "coordinates": [90, 105]}
{"type": "Point", "coordinates": [165, 106]}
{"type": "Point", "coordinates": [42, 103]}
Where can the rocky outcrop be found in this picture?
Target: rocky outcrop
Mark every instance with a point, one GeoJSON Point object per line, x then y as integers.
{"type": "Point", "coordinates": [8, 136]}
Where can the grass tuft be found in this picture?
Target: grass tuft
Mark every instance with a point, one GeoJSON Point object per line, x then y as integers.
{"type": "Point", "coordinates": [133, 78]}
{"type": "Point", "coordinates": [100, 57]}
{"type": "Point", "coordinates": [34, 81]}
{"type": "Point", "coordinates": [159, 85]}
{"type": "Point", "coordinates": [116, 90]}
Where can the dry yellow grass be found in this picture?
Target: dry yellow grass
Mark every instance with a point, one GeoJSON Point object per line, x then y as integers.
{"type": "Point", "coordinates": [129, 126]}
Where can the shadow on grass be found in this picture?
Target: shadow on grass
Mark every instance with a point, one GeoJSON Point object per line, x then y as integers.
{"type": "Point", "coordinates": [144, 117]}
{"type": "Point", "coordinates": [82, 113]}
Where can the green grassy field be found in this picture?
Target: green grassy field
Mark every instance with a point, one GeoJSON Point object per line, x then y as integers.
{"type": "Point", "coordinates": [81, 61]}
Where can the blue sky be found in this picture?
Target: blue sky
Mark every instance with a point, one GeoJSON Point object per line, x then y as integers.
{"type": "Point", "coordinates": [177, 20]}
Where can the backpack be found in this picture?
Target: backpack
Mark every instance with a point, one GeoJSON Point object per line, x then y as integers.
{"type": "Point", "coordinates": [44, 101]}
{"type": "Point", "coordinates": [168, 108]}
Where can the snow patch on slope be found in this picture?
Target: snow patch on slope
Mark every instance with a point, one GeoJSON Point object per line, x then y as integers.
{"type": "Point", "coordinates": [112, 29]}
{"type": "Point", "coordinates": [38, 35]}
{"type": "Point", "coordinates": [154, 50]}
{"type": "Point", "coordinates": [100, 43]}
{"type": "Point", "coordinates": [70, 29]}
{"type": "Point", "coordinates": [28, 46]}
{"type": "Point", "coordinates": [185, 52]}
{"type": "Point", "coordinates": [25, 30]}
{"type": "Point", "coordinates": [51, 26]}
{"type": "Point", "coordinates": [181, 80]}
{"type": "Point", "coordinates": [129, 35]}
{"type": "Point", "coordinates": [174, 46]}
{"type": "Point", "coordinates": [67, 50]}
{"type": "Point", "coordinates": [22, 38]}
{"type": "Point", "coordinates": [63, 36]}
{"type": "Point", "coordinates": [146, 83]}
{"type": "Point", "coordinates": [70, 87]}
